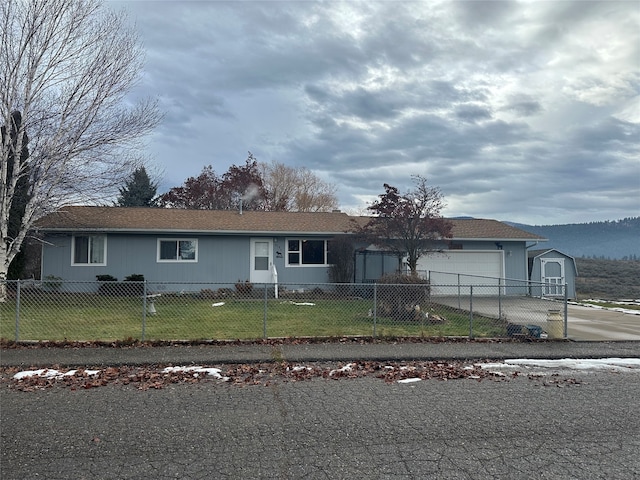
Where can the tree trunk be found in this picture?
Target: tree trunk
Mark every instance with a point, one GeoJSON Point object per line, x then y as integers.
{"type": "Point", "coordinates": [4, 268]}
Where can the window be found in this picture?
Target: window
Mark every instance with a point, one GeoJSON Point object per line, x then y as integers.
{"type": "Point", "coordinates": [177, 250]}
{"type": "Point", "coordinates": [306, 252]}
{"type": "Point", "coordinates": [89, 250]}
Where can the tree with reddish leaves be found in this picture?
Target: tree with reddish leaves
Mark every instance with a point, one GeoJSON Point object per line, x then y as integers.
{"type": "Point", "coordinates": [408, 225]}
{"type": "Point", "coordinates": [200, 193]}
{"type": "Point", "coordinates": [239, 187]}
{"type": "Point", "coordinates": [242, 187]}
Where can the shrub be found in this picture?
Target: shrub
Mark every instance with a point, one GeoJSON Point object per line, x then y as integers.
{"type": "Point", "coordinates": [135, 288]}
{"type": "Point", "coordinates": [106, 278]}
{"type": "Point", "coordinates": [110, 286]}
{"type": "Point", "coordinates": [208, 293]}
{"type": "Point", "coordinates": [341, 259]}
{"type": "Point", "coordinates": [244, 288]}
{"type": "Point", "coordinates": [401, 296]}
{"type": "Point", "coordinates": [52, 283]}
{"type": "Point", "coordinates": [134, 277]}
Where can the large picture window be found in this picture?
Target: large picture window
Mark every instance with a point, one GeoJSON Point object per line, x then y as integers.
{"type": "Point", "coordinates": [306, 252]}
{"type": "Point", "coordinates": [89, 250]}
{"type": "Point", "coordinates": [177, 250]}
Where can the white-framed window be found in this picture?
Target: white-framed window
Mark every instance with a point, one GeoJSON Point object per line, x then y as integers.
{"type": "Point", "coordinates": [177, 250]}
{"type": "Point", "coordinates": [89, 250]}
{"type": "Point", "coordinates": [307, 252]}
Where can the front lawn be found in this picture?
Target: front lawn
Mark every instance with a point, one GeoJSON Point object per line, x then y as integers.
{"type": "Point", "coordinates": [97, 317]}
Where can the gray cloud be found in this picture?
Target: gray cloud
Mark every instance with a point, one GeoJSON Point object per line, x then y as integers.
{"type": "Point", "coordinates": [516, 110]}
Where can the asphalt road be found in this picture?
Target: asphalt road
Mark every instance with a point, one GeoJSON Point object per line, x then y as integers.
{"type": "Point", "coordinates": [581, 425]}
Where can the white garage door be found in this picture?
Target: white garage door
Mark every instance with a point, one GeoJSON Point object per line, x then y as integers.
{"type": "Point", "coordinates": [463, 268]}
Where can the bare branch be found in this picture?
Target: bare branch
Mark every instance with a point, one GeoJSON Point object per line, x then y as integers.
{"type": "Point", "coordinates": [67, 66]}
{"type": "Point", "coordinates": [408, 225]}
{"type": "Point", "coordinates": [297, 189]}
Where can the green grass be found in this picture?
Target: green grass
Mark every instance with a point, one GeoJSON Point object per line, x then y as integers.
{"type": "Point", "coordinates": [94, 317]}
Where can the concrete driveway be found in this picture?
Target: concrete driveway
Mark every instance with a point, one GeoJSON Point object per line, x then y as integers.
{"type": "Point", "coordinates": [588, 324]}
{"type": "Point", "coordinates": [584, 323]}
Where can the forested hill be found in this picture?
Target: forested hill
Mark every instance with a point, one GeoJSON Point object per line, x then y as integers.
{"type": "Point", "coordinates": [619, 239]}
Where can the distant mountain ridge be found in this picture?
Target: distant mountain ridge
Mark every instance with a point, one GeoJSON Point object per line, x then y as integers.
{"type": "Point", "coordinates": [617, 239]}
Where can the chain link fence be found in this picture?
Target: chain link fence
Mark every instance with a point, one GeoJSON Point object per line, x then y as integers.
{"type": "Point", "coordinates": [57, 310]}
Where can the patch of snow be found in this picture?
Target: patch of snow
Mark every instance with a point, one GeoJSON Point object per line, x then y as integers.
{"type": "Point", "coordinates": [409, 380]}
{"type": "Point", "coordinates": [298, 368]}
{"type": "Point", "coordinates": [627, 311]}
{"type": "Point", "coordinates": [50, 373]}
{"type": "Point", "coordinates": [347, 368]}
{"type": "Point", "coordinates": [489, 366]}
{"type": "Point", "coordinates": [213, 372]}
{"type": "Point", "coordinates": [616, 364]}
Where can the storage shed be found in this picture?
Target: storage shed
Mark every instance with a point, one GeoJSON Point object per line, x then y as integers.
{"type": "Point", "coordinates": [549, 271]}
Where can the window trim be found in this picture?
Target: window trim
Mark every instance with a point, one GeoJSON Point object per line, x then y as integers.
{"type": "Point", "coordinates": [88, 263]}
{"type": "Point", "coordinates": [300, 252]}
{"type": "Point", "coordinates": [176, 260]}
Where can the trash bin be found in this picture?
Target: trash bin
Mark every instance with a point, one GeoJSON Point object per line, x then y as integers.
{"type": "Point", "coordinates": [514, 330]}
{"type": "Point", "coordinates": [534, 330]}
{"type": "Point", "coordinates": [555, 323]}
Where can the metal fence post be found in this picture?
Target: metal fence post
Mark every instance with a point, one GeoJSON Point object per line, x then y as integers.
{"type": "Point", "coordinates": [566, 311]}
{"type": "Point", "coordinates": [264, 320]}
{"type": "Point", "coordinates": [499, 299]}
{"type": "Point", "coordinates": [144, 309]}
{"type": "Point", "coordinates": [18, 312]}
{"type": "Point", "coordinates": [471, 311]}
{"type": "Point", "coordinates": [375, 308]}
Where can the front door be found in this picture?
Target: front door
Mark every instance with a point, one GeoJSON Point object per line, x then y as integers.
{"type": "Point", "coordinates": [261, 260]}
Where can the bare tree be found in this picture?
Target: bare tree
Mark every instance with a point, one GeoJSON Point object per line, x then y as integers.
{"type": "Point", "coordinates": [279, 181]}
{"type": "Point", "coordinates": [66, 66]}
{"type": "Point", "coordinates": [313, 194]}
{"type": "Point", "coordinates": [408, 225]}
{"type": "Point", "coordinates": [297, 189]}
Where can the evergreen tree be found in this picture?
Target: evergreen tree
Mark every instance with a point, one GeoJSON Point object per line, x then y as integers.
{"type": "Point", "coordinates": [138, 191]}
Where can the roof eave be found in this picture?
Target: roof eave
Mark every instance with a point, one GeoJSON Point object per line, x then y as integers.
{"type": "Point", "coordinates": [499, 239]}
{"type": "Point", "coordinates": [187, 232]}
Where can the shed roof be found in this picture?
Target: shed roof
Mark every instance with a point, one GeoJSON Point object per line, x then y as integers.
{"type": "Point", "coordinates": [540, 252]}
{"type": "Point", "coordinates": [150, 220]}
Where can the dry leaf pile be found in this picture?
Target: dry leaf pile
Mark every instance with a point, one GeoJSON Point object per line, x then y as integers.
{"type": "Point", "coordinates": [159, 376]}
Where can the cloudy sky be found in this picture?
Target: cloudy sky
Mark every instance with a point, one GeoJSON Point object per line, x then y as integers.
{"type": "Point", "coordinates": [523, 111]}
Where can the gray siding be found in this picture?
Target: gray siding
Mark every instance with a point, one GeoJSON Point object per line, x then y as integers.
{"type": "Point", "coordinates": [221, 259]}
{"type": "Point", "coordinates": [226, 259]}
{"type": "Point", "coordinates": [372, 266]}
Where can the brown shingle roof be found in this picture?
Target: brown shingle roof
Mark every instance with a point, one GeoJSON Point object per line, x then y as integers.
{"type": "Point", "coordinates": [470, 228]}
{"type": "Point", "coordinates": [209, 221]}
{"type": "Point", "coordinates": [231, 221]}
